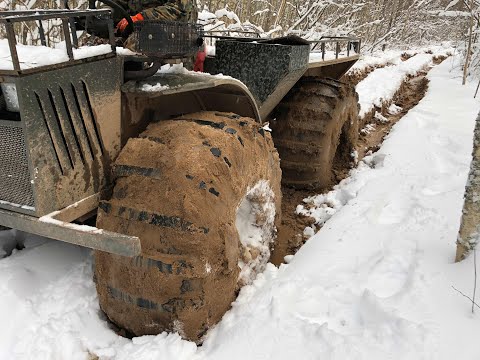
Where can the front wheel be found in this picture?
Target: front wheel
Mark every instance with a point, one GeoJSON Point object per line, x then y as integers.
{"type": "Point", "coordinates": [202, 192]}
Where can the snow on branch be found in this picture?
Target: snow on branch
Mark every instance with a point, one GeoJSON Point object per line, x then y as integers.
{"type": "Point", "coordinates": [449, 13]}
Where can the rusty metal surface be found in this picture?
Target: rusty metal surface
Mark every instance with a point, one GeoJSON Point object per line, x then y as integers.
{"type": "Point", "coordinates": [333, 69]}
{"type": "Point", "coordinates": [72, 124]}
{"type": "Point", "coordinates": [164, 96]}
{"type": "Point", "coordinates": [282, 88]}
{"type": "Point", "coordinates": [90, 237]}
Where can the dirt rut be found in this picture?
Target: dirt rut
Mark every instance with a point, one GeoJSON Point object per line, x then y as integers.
{"type": "Point", "coordinates": [290, 235]}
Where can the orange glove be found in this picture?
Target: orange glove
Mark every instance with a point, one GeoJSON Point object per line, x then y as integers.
{"type": "Point", "coordinates": [122, 24]}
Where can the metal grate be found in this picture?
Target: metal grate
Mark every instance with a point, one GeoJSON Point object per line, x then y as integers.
{"type": "Point", "coordinates": [15, 185]}
{"type": "Point", "coordinates": [167, 39]}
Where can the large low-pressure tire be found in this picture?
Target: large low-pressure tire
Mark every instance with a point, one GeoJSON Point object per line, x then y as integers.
{"type": "Point", "coordinates": [203, 194]}
{"type": "Point", "coordinates": [315, 126]}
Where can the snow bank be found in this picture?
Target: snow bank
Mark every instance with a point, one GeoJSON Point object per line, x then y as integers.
{"type": "Point", "coordinates": [375, 282]}
{"type": "Point", "coordinates": [393, 57]}
{"type": "Point", "coordinates": [378, 59]}
{"type": "Point", "coordinates": [381, 85]}
{"type": "Point", "coordinates": [10, 240]}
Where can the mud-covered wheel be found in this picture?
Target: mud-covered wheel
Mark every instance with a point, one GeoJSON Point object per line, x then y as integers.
{"type": "Point", "coordinates": [202, 192]}
{"type": "Point", "coordinates": [315, 131]}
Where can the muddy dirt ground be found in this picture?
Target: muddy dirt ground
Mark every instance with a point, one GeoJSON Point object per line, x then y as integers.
{"type": "Point", "coordinates": [290, 233]}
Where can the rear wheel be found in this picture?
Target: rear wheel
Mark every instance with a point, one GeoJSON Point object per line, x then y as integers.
{"type": "Point", "coordinates": [315, 131]}
{"type": "Point", "coordinates": [203, 194]}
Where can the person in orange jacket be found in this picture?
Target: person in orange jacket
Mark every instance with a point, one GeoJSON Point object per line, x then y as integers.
{"type": "Point", "coordinates": [169, 10]}
{"type": "Point", "coordinates": [139, 10]}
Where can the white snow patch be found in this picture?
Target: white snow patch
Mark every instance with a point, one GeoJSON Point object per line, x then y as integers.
{"type": "Point", "coordinates": [380, 117]}
{"type": "Point", "coordinates": [378, 59]}
{"type": "Point", "coordinates": [210, 50]}
{"type": "Point", "coordinates": [124, 51]}
{"type": "Point", "coordinates": [9, 91]}
{"type": "Point", "coordinates": [381, 85]}
{"type": "Point", "coordinates": [266, 127]}
{"type": "Point", "coordinates": [394, 109]}
{"type": "Point", "coordinates": [255, 224]}
{"type": "Point", "coordinates": [309, 231]}
{"type": "Point", "coordinates": [368, 129]}
{"type": "Point", "coordinates": [34, 56]}
{"type": "Point", "coordinates": [48, 219]}
{"type": "Point", "coordinates": [354, 156]}
{"type": "Point", "coordinates": [155, 87]}
{"type": "Point", "coordinates": [229, 14]}
{"type": "Point", "coordinates": [206, 15]}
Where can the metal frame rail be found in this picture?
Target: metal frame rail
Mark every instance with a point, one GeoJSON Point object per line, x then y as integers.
{"type": "Point", "coordinates": [9, 18]}
{"type": "Point", "coordinates": [337, 40]}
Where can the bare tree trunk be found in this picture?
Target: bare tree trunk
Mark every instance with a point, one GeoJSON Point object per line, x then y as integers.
{"type": "Point", "coordinates": [280, 13]}
{"type": "Point", "coordinates": [470, 225]}
{"type": "Point", "coordinates": [467, 57]}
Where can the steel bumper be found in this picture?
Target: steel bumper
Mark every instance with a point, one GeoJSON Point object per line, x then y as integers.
{"type": "Point", "coordinates": [57, 226]}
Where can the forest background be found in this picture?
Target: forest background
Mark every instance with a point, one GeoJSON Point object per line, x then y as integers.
{"type": "Point", "coordinates": [381, 24]}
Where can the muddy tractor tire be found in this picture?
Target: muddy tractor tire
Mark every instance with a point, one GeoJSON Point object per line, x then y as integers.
{"type": "Point", "coordinates": [185, 187]}
{"type": "Point", "coordinates": [315, 131]}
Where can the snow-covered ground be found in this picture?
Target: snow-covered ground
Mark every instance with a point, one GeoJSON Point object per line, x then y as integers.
{"type": "Point", "coordinates": [381, 85]}
{"type": "Point", "coordinates": [374, 283]}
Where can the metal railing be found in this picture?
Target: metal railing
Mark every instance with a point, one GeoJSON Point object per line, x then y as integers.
{"type": "Point", "coordinates": [211, 36]}
{"type": "Point", "coordinates": [353, 44]}
{"type": "Point", "coordinates": [9, 18]}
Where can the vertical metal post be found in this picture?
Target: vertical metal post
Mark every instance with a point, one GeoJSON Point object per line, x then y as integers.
{"type": "Point", "coordinates": [323, 51]}
{"type": "Point", "coordinates": [348, 48]}
{"type": "Point", "coordinates": [111, 35]}
{"type": "Point", "coordinates": [337, 51]}
{"type": "Point", "coordinates": [12, 43]}
{"type": "Point", "coordinates": [68, 41]}
{"type": "Point", "coordinates": [73, 29]}
{"type": "Point", "coordinates": [42, 33]}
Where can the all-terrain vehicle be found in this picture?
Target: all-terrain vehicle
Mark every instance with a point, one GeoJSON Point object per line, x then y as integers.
{"type": "Point", "coordinates": [179, 170]}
